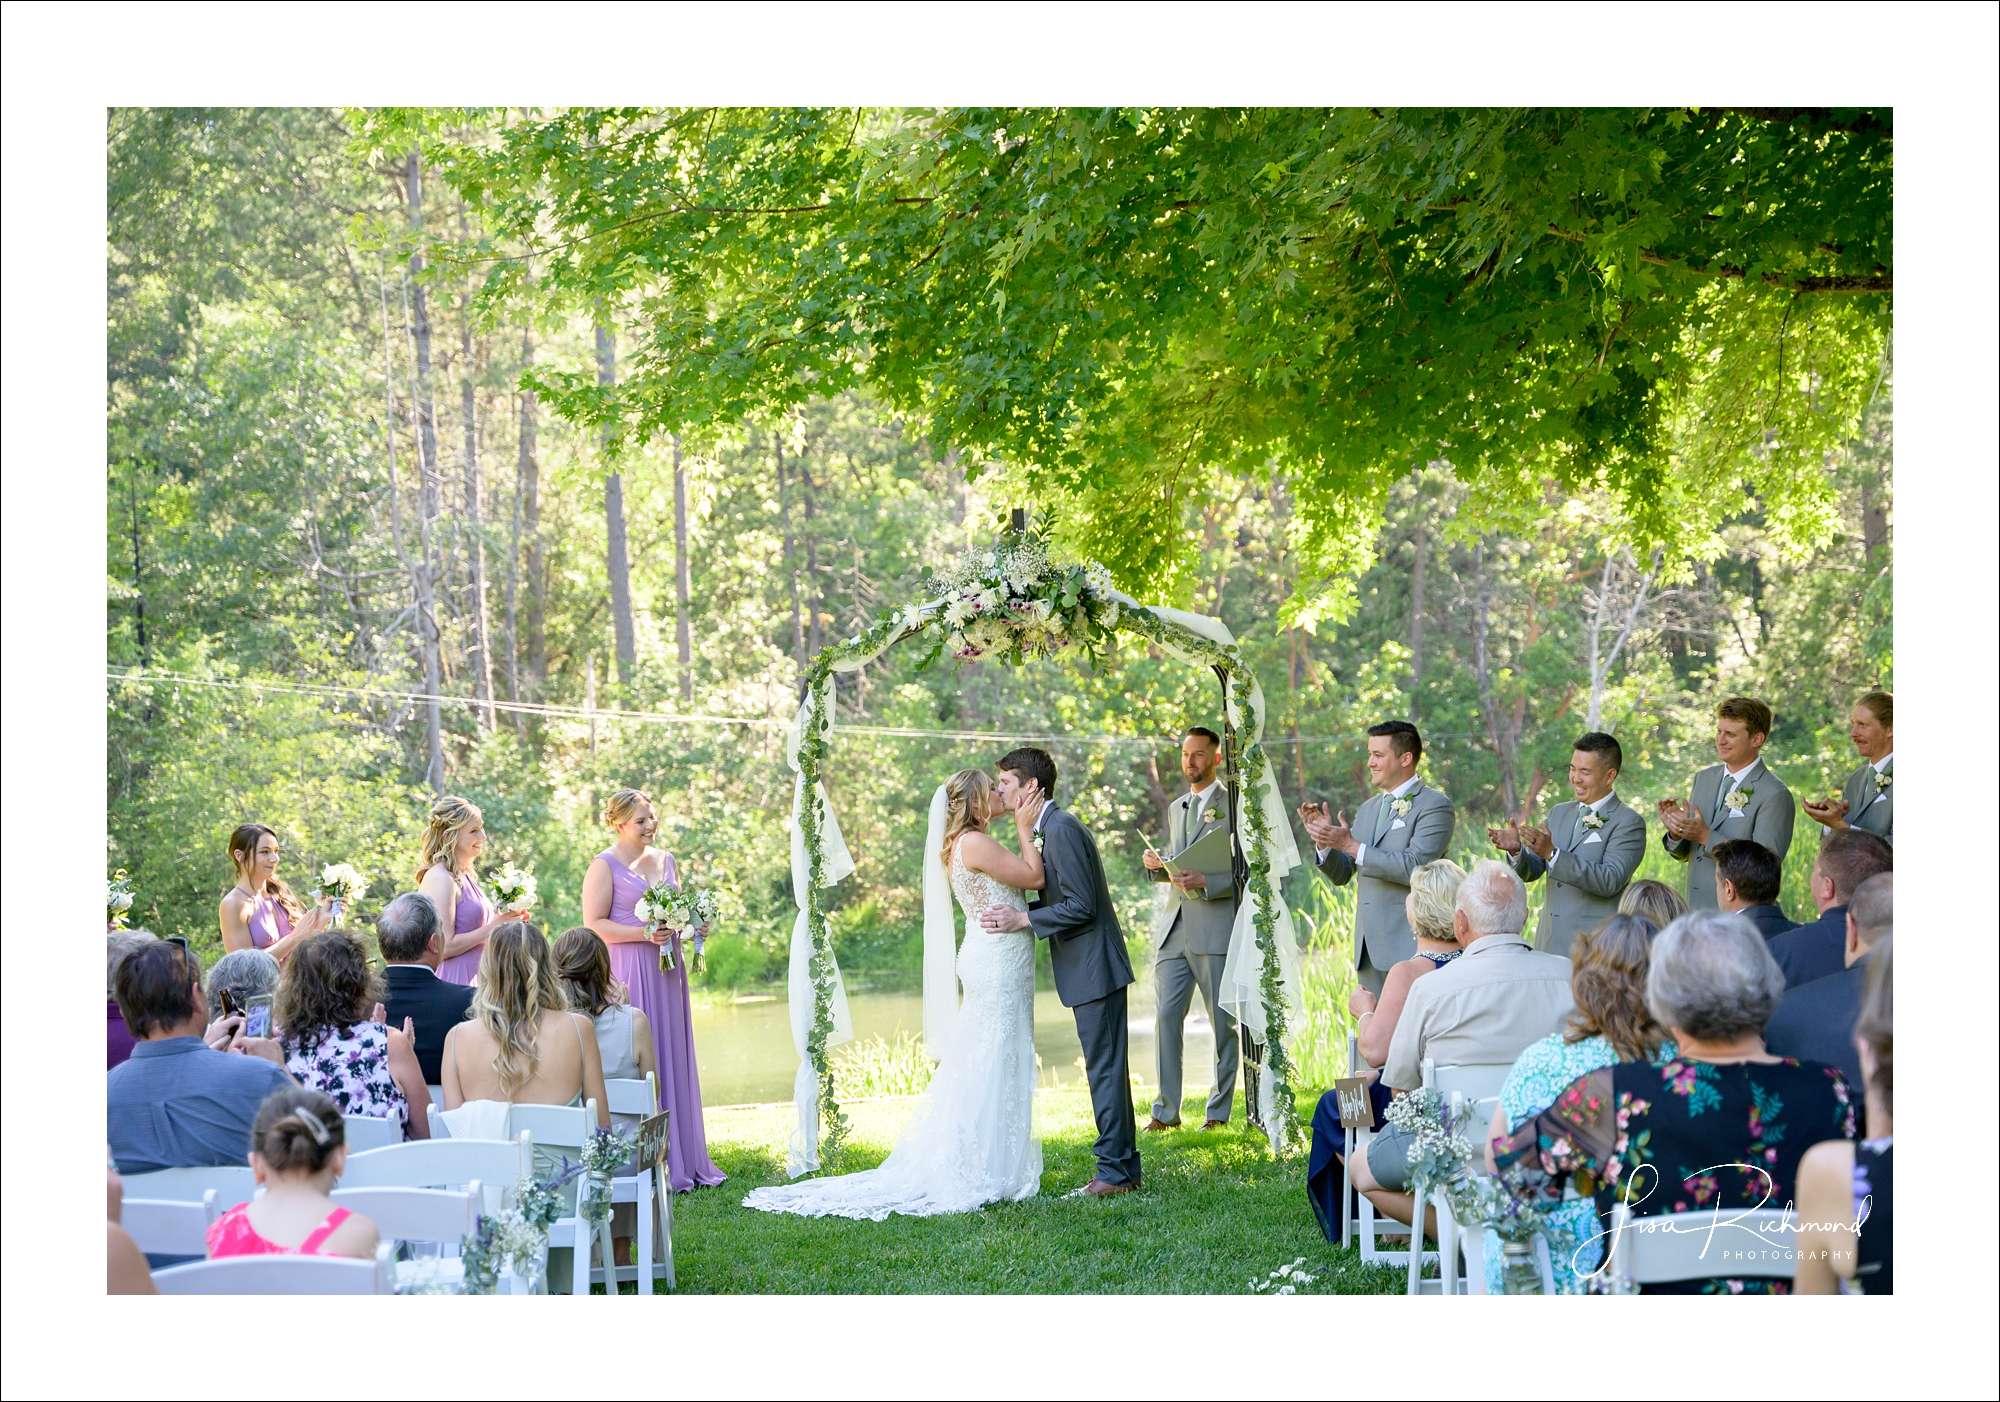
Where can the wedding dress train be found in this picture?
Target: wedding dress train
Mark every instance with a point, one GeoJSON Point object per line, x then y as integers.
{"type": "Point", "coordinates": [972, 1139]}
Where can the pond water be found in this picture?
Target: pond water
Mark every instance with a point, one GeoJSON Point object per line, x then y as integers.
{"type": "Point", "coordinates": [744, 1047]}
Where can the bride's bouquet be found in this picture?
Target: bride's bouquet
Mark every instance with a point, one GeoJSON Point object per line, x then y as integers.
{"type": "Point", "coordinates": [342, 883]}
{"type": "Point", "coordinates": [514, 889]}
{"type": "Point", "coordinates": [117, 899]}
{"type": "Point", "coordinates": [678, 908]}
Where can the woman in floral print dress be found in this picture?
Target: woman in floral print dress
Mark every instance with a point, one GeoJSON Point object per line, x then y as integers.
{"type": "Point", "coordinates": [327, 1004]}
{"type": "Point", "coordinates": [1723, 1123]}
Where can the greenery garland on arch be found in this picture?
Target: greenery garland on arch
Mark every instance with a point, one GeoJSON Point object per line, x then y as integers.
{"type": "Point", "coordinates": [1016, 603]}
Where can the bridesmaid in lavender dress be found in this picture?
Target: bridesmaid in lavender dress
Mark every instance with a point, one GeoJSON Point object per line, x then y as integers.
{"type": "Point", "coordinates": [452, 844]}
{"type": "Point", "coordinates": [617, 878]}
{"type": "Point", "coordinates": [261, 912]}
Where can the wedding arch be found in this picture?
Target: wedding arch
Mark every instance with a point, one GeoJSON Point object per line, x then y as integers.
{"type": "Point", "coordinates": [1016, 603]}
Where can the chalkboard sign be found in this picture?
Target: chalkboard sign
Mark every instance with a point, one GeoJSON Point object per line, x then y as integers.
{"type": "Point", "coordinates": [652, 1147]}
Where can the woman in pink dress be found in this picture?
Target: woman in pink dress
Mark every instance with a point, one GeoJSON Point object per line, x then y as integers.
{"type": "Point", "coordinates": [260, 911]}
{"type": "Point", "coordinates": [452, 844]}
{"type": "Point", "coordinates": [617, 878]}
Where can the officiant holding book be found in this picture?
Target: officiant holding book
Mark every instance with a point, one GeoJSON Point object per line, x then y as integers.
{"type": "Point", "coordinates": [1191, 935]}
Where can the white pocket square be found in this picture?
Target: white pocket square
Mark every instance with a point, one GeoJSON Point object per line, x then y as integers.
{"type": "Point", "coordinates": [1399, 823]}
{"type": "Point", "coordinates": [1590, 839]}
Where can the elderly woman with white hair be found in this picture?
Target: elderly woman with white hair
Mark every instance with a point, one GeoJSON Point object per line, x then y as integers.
{"type": "Point", "coordinates": [1721, 1124]}
{"type": "Point", "coordinates": [243, 974]}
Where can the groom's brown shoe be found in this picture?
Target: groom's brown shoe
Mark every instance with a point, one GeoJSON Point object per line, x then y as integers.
{"type": "Point", "coordinates": [1098, 1188]}
{"type": "Point", "coordinates": [1156, 1124]}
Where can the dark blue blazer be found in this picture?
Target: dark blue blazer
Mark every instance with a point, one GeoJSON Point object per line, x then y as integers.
{"type": "Point", "coordinates": [1769, 920]}
{"type": "Point", "coordinates": [1814, 951]}
{"type": "Point", "coordinates": [435, 1004]}
{"type": "Point", "coordinates": [1815, 1022]}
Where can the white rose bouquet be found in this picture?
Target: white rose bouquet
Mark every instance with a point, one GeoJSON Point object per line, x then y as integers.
{"type": "Point", "coordinates": [341, 883]}
{"type": "Point", "coordinates": [514, 889]}
{"type": "Point", "coordinates": [117, 899]}
{"type": "Point", "coordinates": [666, 906]}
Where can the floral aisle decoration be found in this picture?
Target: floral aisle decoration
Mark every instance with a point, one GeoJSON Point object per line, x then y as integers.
{"type": "Point", "coordinates": [340, 883]}
{"type": "Point", "coordinates": [604, 1153]}
{"type": "Point", "coordinates": [517, 1236]}
{"type": "Point", "coordinates": [514, 889]}
{"type": "Point", "coordinates": [1017, 602]}
{"type": "Point", "coordinates": [117, 900]}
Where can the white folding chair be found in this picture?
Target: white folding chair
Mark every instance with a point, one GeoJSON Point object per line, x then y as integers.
{"type": "Point", "coordinates": [497, 1164]}
{"type": "Point", "coordinates": [1457, 1239]}
{"type": "Point", "coordinates": [365, 1132]}
{"type": "Point", "coordinates": [232, 1183]}
{"type": "Point", "coordinates": [1677, 1246]}
{"type": "Point", "coordinates": [1473, 1081]}
{"type": "Point", "coordinates": [564, 1128]}
{"type": "Point", "coordinates": [283, 1275]}
{"type": "Point", "coordinates": [415, 1214]}
{"type": "Point", "coordinates": [163, 1228]}
{"type": "Point", "coordinates": [643, 1189]}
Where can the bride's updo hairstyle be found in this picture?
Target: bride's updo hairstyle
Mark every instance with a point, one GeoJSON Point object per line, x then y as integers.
{"type": "Point", "coordinates": [618, 809]}
{"type": "Point", "coordinates": [517, 984]}
{"type": "Point", "coordinates": [450, 816]}
{"type": "Point", "coordinates": [967, 794]}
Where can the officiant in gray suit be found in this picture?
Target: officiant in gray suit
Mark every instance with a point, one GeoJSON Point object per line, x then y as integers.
{"type": "Point", "coordinates": [1406, 824]}
{"type": "Point", "coordinates": [1588, 851]}
{"type": "Point", "coordinates": [1736, 798]}
{"type": "Point", "coordinates": [1191, 935]}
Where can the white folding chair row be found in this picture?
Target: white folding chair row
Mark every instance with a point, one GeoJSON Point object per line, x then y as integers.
{"type": "Point", "coordinates": [232, 1183]}
{"type": "Point", "coordinates": [415, 1214]}
{"type": "Point", "coordinates": [168, 1228]}
{"type": "Point", "coordinates": [283, 1275]}
{"type": "Point", "coordinates": [497, 1164]}
{"type": "Point", "coordinates": [564, 1128]}
{"type": "Point", "coordinates": [365, 1132]}
{"type": "Point", "coordinates": [643, 1190]}
{"type": "Point", "coordinates": [1729, 1241]}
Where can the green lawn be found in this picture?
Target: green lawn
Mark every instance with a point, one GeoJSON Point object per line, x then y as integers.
{"type": "Point", "coordinates": [1216, 1210]}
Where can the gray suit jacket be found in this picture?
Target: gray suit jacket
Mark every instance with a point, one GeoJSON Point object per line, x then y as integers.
{"type": "Point", "coordinates": [1864, 809]}
{"type": "Point", "coordinates": [1206, 916]}
{"type": "Point", "coordinates": [1382, 927]}
{"type": "Point", "coordinates": [1588, 873]}
{"type": "Point", "coordinates": [1074, 914]}
{"type": "Point", "coordinates": [1766, 818]}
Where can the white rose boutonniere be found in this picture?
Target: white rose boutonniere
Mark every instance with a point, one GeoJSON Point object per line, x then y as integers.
{"type": "Point", "coordinates": [1400, 806]}
{"type": "Point", "coordinates": [1592, 819]}
{"type": "Point", "coordinates": [1739, 800]}
{"type": "Point", "coordinates": [1036, 838]}
{"type": "Point", "coordinates": [1882, 782]}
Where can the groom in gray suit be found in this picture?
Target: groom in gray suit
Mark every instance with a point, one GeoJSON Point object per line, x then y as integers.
{"type": "Point", "coordinates": [1588, 851]}
{"type": "Point", "coordinates": [1191, 937]}
{"type": "Point", "coordinates": [1736, 798]}
{"type": "Point", "coordinates": [1403, 826]}
{"type": "Point", "coordinates": [1073, 912]}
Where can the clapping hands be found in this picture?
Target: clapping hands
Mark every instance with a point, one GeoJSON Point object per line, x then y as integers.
{"type": "Point", "coordinates": [1684, 821]}
{"type": "Point", "coordinates": [1327, 833]}
{"type": "Point", "coordinates": [1831, 813]}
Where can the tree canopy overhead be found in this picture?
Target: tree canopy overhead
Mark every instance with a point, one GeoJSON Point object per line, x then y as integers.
{"type": "Point", "coordinates": [1678, 306]}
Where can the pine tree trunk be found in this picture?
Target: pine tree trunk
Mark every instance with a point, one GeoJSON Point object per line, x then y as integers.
{"type": "Point", "coordinates": [682, 593]}
{"type": "Point", "coordinates": [529, 473]}
{"type": "Point", "coordinates": [420, 328]}
{"type": "Point", "coordinates": [615, 561]}
{"type": "Point", "coordinates": [421, 601]}
{"type": "Point", "coordinates": [481, 659]}
{"type": "Point", "coordinates": [1502, 750]}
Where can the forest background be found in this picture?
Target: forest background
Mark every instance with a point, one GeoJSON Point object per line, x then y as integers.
{"type": "Point", "coordinates": [276, 335]}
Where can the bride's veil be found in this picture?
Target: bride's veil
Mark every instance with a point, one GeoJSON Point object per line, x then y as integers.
{"type": "Point", "coordinates": [940, 939]}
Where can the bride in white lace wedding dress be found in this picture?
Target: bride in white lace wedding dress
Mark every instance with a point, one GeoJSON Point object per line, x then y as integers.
{"type": "Point", "coordinates": [972, 1138]}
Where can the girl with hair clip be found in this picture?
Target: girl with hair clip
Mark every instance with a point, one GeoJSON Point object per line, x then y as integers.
{"type": "Point", "coordinates": [260, 911]}
{"type": "Point", "coordinates": [298, 1148]}
{"type": "Point", "coordinates": [618, 877]}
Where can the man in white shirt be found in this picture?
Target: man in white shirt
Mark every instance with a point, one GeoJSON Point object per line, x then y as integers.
{"type": "Point", "coordinates": [1406, 824]}
{"type": "Point", "coordinates": [1736, 798]}
{"type": "Point", "coordinates": [1588, 851]}
{"type": "Point", "coordinates": [1191, 937]}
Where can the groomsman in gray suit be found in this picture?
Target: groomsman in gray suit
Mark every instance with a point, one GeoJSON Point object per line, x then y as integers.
{"type": "Point", "coordinates": [1191, 937]}
{"type": "Point", "coordinates": [1589, 850]}
{"type": "Point", "coordinates": [1868, 802]}
{"type": "Point", "coordinates": [1406, 824]}
{"type": "Point", "coordinates": [1736, 798]}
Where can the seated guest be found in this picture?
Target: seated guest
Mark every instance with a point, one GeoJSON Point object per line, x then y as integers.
{"type": "Point", "coordinates": [1656, 900]}
{"type": "Point", "coordinates": [243, 974]}
{"type": "Point", "coordinates": [331, 1043]}
{"type": "Point", "coordinates": [1430, 908]}
{"type": "Point", "coordinates": [624, 1037]}
{"type": "Point", "coordinates": [298, 1149]}
{"type": "Point", "coordinates": [1481, 1009]}
{"type": "Point", "coordinates": [125, 1270]}
{"type": "Point", "coordinates": [181, 1101]}
{"type": "Point", "coordinates": [412, 949]}
{"type": "Point", "coordinates": [118, 946]}
{"type": "Point", "coordinates": [1842, 1182]}
{"type": "Point", "coordinates": [1747, 877]}
{"type": "Point", "coordinates": [521, 1044]}
{"type": "Point", "coordinates": [1611, 1024]}
{"type": "Point", "coordinates": [1815, 1021]}
{"type": "Point", "coordinates": [1847, 857]}
{"type": "Point", "coordinates": [1717, 1107]}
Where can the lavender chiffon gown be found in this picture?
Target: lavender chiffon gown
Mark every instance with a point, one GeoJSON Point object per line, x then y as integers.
{"type": "Point", "coordinates": [473, 911]}
{"type": "Point", "coordinates": [663, 997]}
{"type": "Point", "coordinates": [268, 921]}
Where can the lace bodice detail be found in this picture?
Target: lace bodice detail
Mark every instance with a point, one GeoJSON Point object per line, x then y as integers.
{"type": "Point", "coordinates": [976, 890]}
